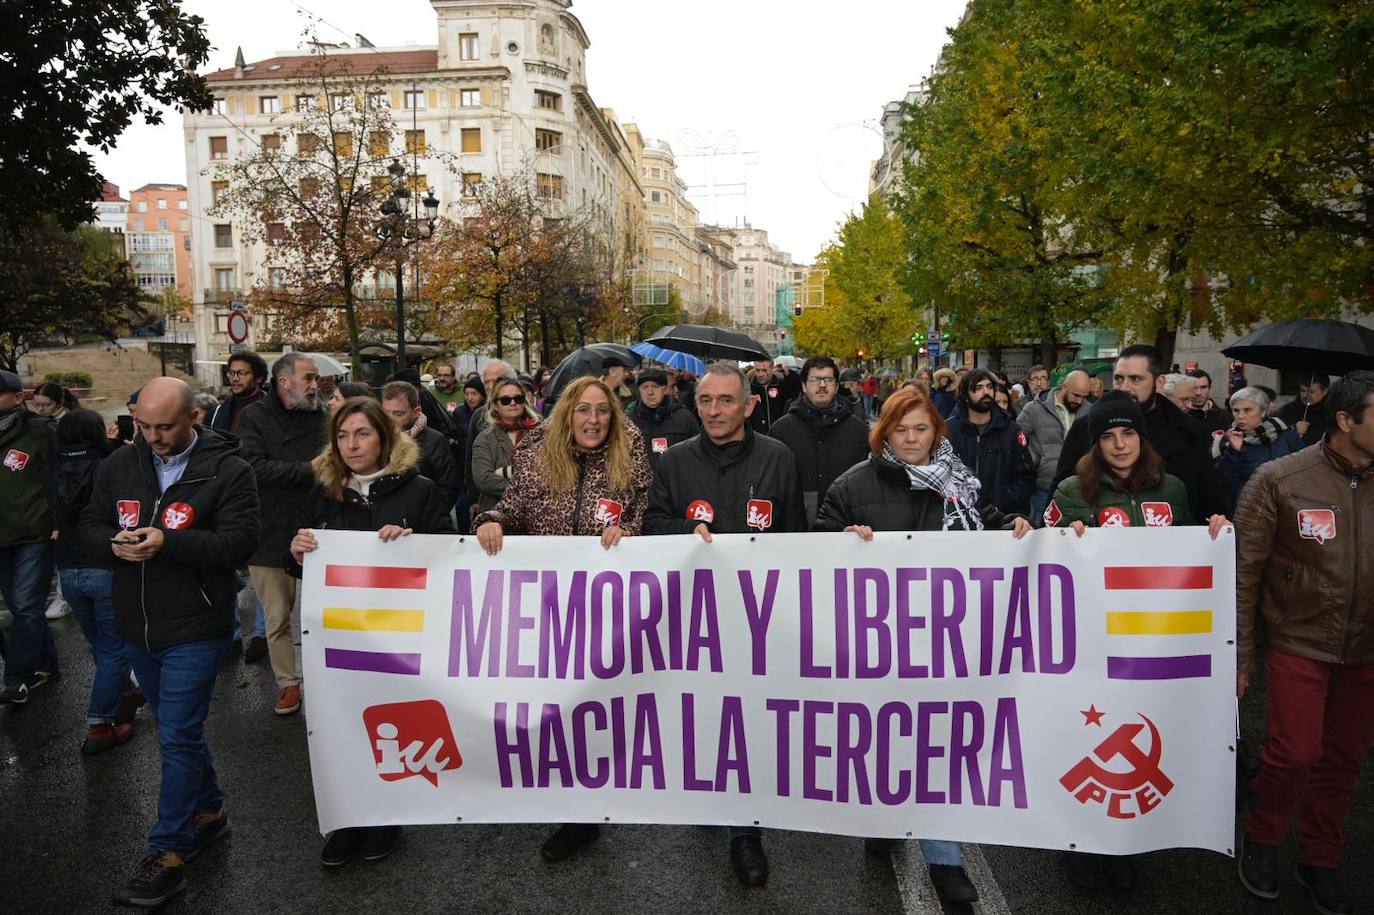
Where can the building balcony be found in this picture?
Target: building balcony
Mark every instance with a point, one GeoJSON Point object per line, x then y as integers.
{"type": "Point", "coordinates": [221, 296]}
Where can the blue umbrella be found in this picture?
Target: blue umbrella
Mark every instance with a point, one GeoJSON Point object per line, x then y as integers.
{"type": "Point", "coordinates": [683, 362]}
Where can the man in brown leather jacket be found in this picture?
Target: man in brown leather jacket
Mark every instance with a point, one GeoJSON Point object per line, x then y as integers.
{"type": "Point", "coordinates": [1305, 525]}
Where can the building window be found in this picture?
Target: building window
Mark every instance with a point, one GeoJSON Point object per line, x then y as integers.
{"type": "Point", "coordinates": [472, 140]}
{"type": "Point", "coordinates": [181, 204]}
{"type": "Point", "coordinates": [162, 203]}
{"type": "Point", "coordinates": [162, 223]}
{"type": "Point", "coordinates": [659, 241]}
{"type": "Point", "coordinates": [218, 106]}
{"type": "Point", "coordinates": [271, 142]}
{"type": "Point", "coordinates": [217, 191]}
{"type": "Point", "coordinates": [655, 196]}
{"type": "Point", "coordinates": [548, 187]}
{"type": "Point", "coordinates": [471, 182]}
{"type": "Point", "coordinates": [381, 185]}
{"type": "Point", "coordinates": [183, 225]}
{"type": "Point", "coordinates": [276, 278]}
{"type": "Point", "coordinates": [308, 188]}
{"type": "Point", "coordinates": [269, 104]}
{"type": "Point", "coordinates": [415, 142]}
{"type": "Point", "coordinates": [306, 103]}
{"type": "Point", "coordinates": [414, 99]}
{"type": "Point", "coordinates": [419, 184]}
{"type": "Point", "coordinates": [276, 233]}
{"type": "Point", "coordinates": [307, 144]}
{"type": "Point", "coordinates": [143, 206]}
{"type": "Point", "coordinates": [138, 223]}
{"type": "Point", "coordinates": [548, 141]}
{"type": "Point", "coordinates": [550, 100]}
{"type": "Point", "coordinates": [224, 235]}
{"type": "Point", "coordinates": [219, 148]}
{"type": "Point", "coordinates": [224, 279]}
{"type": "Point", "coordinates": [749, 284]}
{"type": "Point", "coordinates": [343, 144]}
{"type": "Point", "coordinates": [377, 100]}
{"type": "Point", "coordinates": [467, 46]}
{"type": "Point", "coordinates": [469, 98]}
{"type": "Point", "coordinates": [379, 144]}
{"type": "Point", "coordinates": [338, 101]}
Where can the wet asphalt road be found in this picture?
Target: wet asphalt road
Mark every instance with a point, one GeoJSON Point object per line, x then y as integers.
{"type": "Point", "coordinates": [72, 828]}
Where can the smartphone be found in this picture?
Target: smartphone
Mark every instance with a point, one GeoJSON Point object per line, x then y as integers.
{"type": "Point", "coordinates": [116, 539]}
{"type": "Point", "coordinates": [125, 422]}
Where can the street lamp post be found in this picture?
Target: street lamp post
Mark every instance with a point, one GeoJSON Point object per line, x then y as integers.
{"type": "Point", "coordinates": [402, 229]}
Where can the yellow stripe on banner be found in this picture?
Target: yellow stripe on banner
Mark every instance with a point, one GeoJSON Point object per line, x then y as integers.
{"type": "Point", "coordinates": [371, 620]}
{"type": "Point", "coordinates": [1159, 622]}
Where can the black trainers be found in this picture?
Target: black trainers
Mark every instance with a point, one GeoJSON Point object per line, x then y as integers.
{"type": "Point", "coordinates": [16, 693]}
{"type": "Point", "coordinates": [1325, 889]}
{"type": "Point", "coordinates": [341, 846]}
{"type": "Point", "coordinates": [1258, 866]}
{"type": "Point", "coordinates": [210, 828]}
{"type": "Point", "coordinates": [568, 840]}
{"type": "Point", "coordinates": [952, 884]}
{"type": "Point", "coordinates": [160, 876]}
{"type": "Point", "coordinates": [44, 677]}
{"type": "Point", "coordinates": [378, 841]}
{"type": "Point", "coordinates": [749, 861]}
{"type": "Point", "coordinates": [256, 650]}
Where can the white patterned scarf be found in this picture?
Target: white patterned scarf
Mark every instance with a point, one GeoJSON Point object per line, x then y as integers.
{"type": "Point", "coordinates": [946, 475]}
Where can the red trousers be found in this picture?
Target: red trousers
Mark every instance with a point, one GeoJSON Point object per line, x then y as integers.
{"type": "Point", "coordinates": [1321, 722]}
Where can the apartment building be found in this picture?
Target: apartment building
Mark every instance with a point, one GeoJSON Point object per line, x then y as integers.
{"type": "Point", "coordinates": [157, 211]}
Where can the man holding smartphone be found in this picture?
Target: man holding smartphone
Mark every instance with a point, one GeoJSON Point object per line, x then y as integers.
{"type": "Point", "coordinates": [179, 509]}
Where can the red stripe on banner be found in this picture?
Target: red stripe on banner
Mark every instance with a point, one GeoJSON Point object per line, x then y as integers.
{"type": "Point", "coordinates": [1158, 578]}
{"type": "Point", "coordinates": [375, 577]}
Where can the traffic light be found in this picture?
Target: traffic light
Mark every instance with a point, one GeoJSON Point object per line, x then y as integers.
{"type": "Point", "coordinates": [944, 342]}
{"type": "Point", "coordinates": [861, 354]}
{"type": "Point", "coordinates": [797, 310]}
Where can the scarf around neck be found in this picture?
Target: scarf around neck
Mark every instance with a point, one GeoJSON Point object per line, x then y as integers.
{"type": "Point", "coordinates": [1266, 434]}
{"type": "Point", "coordinates": [947, 476]}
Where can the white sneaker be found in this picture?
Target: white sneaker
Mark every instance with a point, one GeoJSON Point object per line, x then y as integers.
{"type": "Point", "coordinates": [57, 609]}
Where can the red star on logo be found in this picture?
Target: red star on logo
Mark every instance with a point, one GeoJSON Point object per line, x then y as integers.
{"type": "Point", "coordinates": [1092, 716]}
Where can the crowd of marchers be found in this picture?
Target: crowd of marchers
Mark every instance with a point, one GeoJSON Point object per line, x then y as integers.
{"type": "Point", "coordinates": [152, 528]}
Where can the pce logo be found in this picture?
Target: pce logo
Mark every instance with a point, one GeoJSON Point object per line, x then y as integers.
{"type": "Point", "coordinates": [410, 739]}
{"type": "Point", "coordinates": [1129, 794]}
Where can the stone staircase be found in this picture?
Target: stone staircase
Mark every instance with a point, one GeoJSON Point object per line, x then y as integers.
{"type": "Point", "coordinates": [117, 371]}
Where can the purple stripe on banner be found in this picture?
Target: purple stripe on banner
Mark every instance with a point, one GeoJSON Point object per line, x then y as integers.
{"type": "Point", "coordinates": [1177, 668]}
{"type": "Point", "coordinates": [380, 662]}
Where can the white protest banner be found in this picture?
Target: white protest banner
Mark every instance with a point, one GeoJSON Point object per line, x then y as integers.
{"type": "Point", "coordinates": [1054, 692]}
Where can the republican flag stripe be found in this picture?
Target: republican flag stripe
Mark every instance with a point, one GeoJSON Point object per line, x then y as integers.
{"type": "Point", "coordinates": [338, 576]}
{"type": "Point", "coordinates": [368, 619]}
{"type": "Point", "coordinates": [1182, 667]}
{"type": "Point", "coordinates": [377, 662]}
{"type": "Point", "coordinates": [1158, 578]}
{"type": "Point", "coordinates": [1159, 622]}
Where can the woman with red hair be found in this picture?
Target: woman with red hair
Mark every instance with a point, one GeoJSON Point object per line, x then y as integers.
{"type": "Point", "coordinates": [913, 481]}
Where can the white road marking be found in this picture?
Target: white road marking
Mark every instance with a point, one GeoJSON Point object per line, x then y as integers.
{"type": "Point", "coordinates": [918, 894]}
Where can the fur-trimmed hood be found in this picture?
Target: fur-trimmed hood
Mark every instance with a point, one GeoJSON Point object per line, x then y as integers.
{"type": "Point", "coordinates": [405, 456]}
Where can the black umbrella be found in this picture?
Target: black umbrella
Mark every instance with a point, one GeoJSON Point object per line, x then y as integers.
{"type": "Point", "coordinates": [708, 342]}
{"type": "Point", "coordinates": [589, 360]}
{"type": "Point", "coordinates": [1307, 345]}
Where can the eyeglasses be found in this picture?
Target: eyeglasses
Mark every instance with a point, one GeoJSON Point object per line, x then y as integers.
{"type": "Point", "coordinates": [585, 409]}
{"type": "Point", "coordinates": [821, 381]}
{"type": "Point", "coordinates": [509, 399]}
{"type": "Point", "coordinates": [240, 373]}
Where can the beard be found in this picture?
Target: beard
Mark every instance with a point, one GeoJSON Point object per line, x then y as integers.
{"type": "Point", "coordinates": [305, 401]}
{"type": "Point", "coordinates": [982, 406]}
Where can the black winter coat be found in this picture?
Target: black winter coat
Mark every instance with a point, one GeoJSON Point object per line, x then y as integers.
{"type": "Point", "coordinates": [71, 483]}
{"type": "Point", "coordinates": [279, 444]}
{"type": "Point", "coordinates": [1185, 446]}
{"type": "Point", "coordinates": [225, 419]}
{"type": "Point", "coordinates": [877, 493]}
{"type": "Point", "coordinates": [824, 444]}
{"type": "Point", "coordinates": [188, 592]}
{"type": "Point", "coordinates": [726, 487]}
{"type": "Point", "coordinates": [437, 463]}
{"type": "Point", "coordinates": [1000, 458]}
{"type": "Point", "coordinates": [771, 406]}
{"type": "Point", "coordinates": [663, 427]}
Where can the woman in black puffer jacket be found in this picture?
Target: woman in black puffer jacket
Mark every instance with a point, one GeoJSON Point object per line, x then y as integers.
{"type": "Point", "coordinates": [368, 481]}
{"type": "Point", "coordinates": [913, 481]}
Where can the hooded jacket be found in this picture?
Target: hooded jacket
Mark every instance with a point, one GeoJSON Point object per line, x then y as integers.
{"type": "Point", "coordinates": [744, 487]}
{"type": "Point", "coordinates": [878, 493]}
{"type": "Point", "coordinates": [1305, 559]}
{"type": "Point", "coordinates": [825, 445]}
{"type": "Point", "coordinates": [27, 443]}
{"type": "Point", "coordinates": [1178, 438]}
{"type": "Point", "coordinates": [1164, 504]}
{"type": "Point", "coordinates": [188, 592]}
{"type": "Point", "coordinates": [1045, 438]}
{"type": "Point", "coordinates": [70, 486]}
{"type": "Point", "coordinates": [279, 444]}
{"type": "Point", "coordinates": [999, 457]}
{"type": "Point", "coordinates": [663, 427]}
{"type": "Point", "coordinates": [400, 496]}
{"type": "Point", "coordinates": [529, 506]}
{"type": "Point", "coordinates": [438, 464]}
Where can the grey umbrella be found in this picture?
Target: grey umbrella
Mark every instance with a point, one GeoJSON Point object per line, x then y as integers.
{"type": "Point", "coordinates": [589, 360]}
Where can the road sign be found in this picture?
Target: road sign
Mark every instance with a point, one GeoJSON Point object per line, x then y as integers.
{"type": "Point", "coordinates": [237, 305]}
{"type": "Point", "coordinates": [933, 350]}
{"type": "Point", "coordinates": [933, 337]}
{"type": "Point", "coordinates": [237, 325]}
{"type": "Point", "coordinates": [237, 347]}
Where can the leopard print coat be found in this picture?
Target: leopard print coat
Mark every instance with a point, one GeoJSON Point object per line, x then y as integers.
{"type": "Point", "coordinates": [530, 507]}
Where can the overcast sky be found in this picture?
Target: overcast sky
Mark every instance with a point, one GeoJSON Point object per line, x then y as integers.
{"type": "Point", "coordinates": [772, 108]}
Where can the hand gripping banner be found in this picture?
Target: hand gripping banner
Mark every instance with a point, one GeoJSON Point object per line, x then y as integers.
{"type": "Point", "coordinates": [1054, 692]}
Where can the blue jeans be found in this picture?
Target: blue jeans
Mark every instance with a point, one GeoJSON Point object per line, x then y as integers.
{"type": "Point", "coordinates": [88, 593]}
{"type": "Point", "coordinates": [938, 851]}
{"type": "Point", "coordinates": [1040, 500]}
{"type": "Point", "coordinates": [178, 682]}
{"type": "Point", "coordinates": [259, 620]}
{"type": "Point", "coordinates": [25, 577]}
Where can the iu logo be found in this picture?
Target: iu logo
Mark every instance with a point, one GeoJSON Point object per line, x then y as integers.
{"type": "Point", "coordinates": [1052, 514]}
{"type": "Point", "coordinates": [1127, 794]}
{"type": "Point", "coordinates": [660, 445]}
{"type": "Point", "coordinates": [1021, 437]}
{"type": "Point", "coordinates": [411, 739]}
{"type": "Point", "coordinates": [178, 515]}
{"type": "Point", "coordinates": [128, 513]}
{"type": "Point", "coordinates": [1158, 514]}
{"type": "Point", "coordinates": [1317, 524]}
{"type": "Point", "coordinates": [701, 510]}
{"type": "Point", "coordinates": [759, 514]}
{"type": "Point", "coordinates": [1113, 517]}
{"type": "Point", "coordinates": [608, 512]}
{"type": "Point", "coordinates": [16, 460]}
{"type": "Point", "coordinates": [772, 392]}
